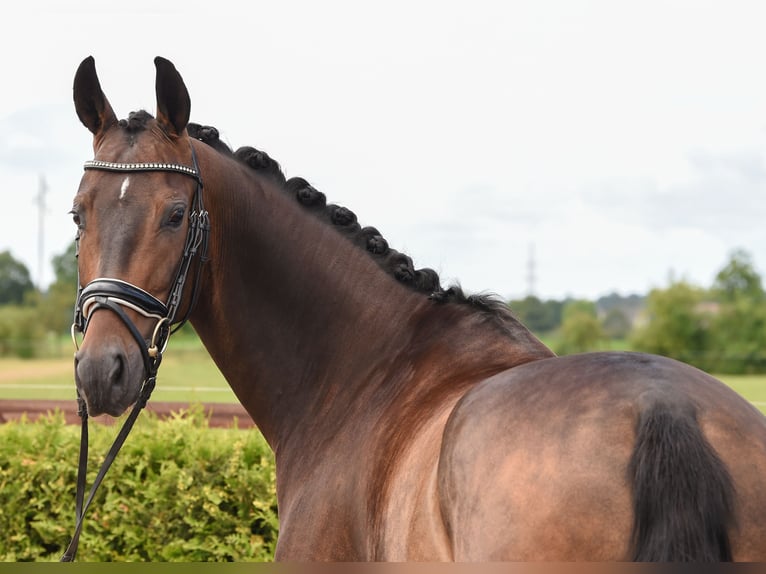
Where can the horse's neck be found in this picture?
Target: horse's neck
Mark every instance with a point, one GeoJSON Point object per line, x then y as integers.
{"type": "Point", "coordinates": [305, 326]}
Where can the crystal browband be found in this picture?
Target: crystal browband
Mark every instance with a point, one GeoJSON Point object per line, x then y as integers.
{"type": "Point", "coordinates": [113, 166]}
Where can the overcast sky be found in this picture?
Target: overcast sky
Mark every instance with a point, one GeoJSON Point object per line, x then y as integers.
{"type": "Point", "coordinates": [617, 142]}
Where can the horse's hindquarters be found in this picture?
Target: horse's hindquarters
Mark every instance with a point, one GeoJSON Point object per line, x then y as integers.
{"type": "Point", "coordinates": [524, 479]}
{"type": "Point", "coordinates": [536, 461]}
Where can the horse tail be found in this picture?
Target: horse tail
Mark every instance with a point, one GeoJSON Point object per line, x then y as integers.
{"type": "Point", "coordinates": [683, 495]}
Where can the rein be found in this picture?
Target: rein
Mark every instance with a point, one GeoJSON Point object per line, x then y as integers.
{"type": "Point", "coordinates": [116, 295]}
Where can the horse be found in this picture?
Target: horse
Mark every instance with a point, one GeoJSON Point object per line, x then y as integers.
{"type": "Point", "coordinates": [409, 421]}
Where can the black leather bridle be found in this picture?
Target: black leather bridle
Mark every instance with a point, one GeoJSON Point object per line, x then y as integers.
{"type": "Point", "coordinates": [116, 295]}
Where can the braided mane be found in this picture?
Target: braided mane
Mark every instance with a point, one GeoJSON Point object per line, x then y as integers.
{"type": "Point", "coordinates": [396, 264]}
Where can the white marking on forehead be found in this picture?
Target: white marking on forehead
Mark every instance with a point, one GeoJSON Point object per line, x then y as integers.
{"type": "Point", "coordinates": [124, 188]}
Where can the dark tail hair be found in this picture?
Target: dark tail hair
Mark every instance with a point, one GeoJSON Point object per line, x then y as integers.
{"type": "Point", "coordinates": [683, 496]}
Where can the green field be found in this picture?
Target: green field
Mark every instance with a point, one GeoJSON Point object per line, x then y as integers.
{"type": "Point", "coordinates": [752, 387]}
{"type": "Point", "coordinates": [189, 375]}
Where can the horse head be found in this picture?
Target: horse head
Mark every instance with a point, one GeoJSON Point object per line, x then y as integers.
{"type": "Point", "coordinates": [137, 213]}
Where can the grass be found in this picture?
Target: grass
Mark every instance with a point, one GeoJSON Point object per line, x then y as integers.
{"type": "Point", "coordinates": [187, 374]}
{"type": "Point", "coordinates": [752, 387]}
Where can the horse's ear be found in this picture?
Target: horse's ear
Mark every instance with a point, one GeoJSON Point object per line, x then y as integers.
{"type": "Point", "coordinates": [91, 104]}
{"type": "Point", "coordinates": [173, 103]}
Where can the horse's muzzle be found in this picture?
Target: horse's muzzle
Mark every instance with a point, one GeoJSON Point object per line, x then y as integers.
{"type": "Point", "coordinates": [108, 378]}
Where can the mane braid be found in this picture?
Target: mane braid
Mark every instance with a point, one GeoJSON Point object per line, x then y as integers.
{"type": "Point", "coordinates": [136, 121]}
{"type": "Point", "coordinates": [396, 264]}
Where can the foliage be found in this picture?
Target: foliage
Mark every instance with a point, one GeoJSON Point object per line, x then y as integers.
{"type": "Point", "coordinates": [56, 306]}
{"type": "Point", "coordinates": [178, 491]}
{"type": "Point", "coordinates": [15, 281]}
{"type": "Point", "coordinates": [25, 329]}
{"type": "Point", "coordinates": [676, 327]}
{"type": "Point", "coordinates": [616, 324]}
{"type": "Point", "coordinates": [538, 316]}
{"type": "Point", "coordinates": [617, 314]}
{"type": "Point", "coordinates": [20, 331]}
{"type": "Point", "coordinates": [722, 331]}
{"type": "Point", "coordinates": [738, 328]}
{"type": "Point", "coordinates": [738, 280]}
{"type": "Point", "coordinates": [65, 266]}
{"type": "Point", "coordinates": [580, 328]}
{"type": "Point", "coordinates": [738, 338]}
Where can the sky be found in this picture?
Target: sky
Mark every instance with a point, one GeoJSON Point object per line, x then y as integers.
{"type": "Point", "coordinates": [613, 145]}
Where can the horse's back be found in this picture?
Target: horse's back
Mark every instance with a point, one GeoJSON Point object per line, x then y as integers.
{"type": "Point", "coordinates": [549, 461]}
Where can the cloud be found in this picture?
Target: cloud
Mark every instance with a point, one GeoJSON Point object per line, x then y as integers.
{"type": "Point", "coordinates": [723, 195]}
{"type": "Point", "coordinates": [35, 139]}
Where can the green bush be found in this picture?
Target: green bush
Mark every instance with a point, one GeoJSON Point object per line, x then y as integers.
{"type": "Point", "coordinates": [676, 325]}
{"type": "Point", "coordinates": [21, 334]}
{"type": "Point", "coordinates": [178, 491]}
{"type": "Point", "coordinates": [580, 329]}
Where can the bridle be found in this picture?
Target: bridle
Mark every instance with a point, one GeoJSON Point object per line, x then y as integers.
{"type": "Point", "coordinates": [117, 295]}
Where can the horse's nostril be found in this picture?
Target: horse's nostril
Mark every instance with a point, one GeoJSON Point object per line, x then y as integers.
{"type": "Point", "coordinates": [118, 366]}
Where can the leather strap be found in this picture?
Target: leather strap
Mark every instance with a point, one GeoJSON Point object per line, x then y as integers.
{"type": "Point", "coordinates": [82, 467]}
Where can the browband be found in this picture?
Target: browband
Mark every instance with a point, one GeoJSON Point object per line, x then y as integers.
{"type": "Point", "coordinates": [113, 166]}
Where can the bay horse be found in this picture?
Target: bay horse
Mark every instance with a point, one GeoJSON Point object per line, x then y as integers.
{"type": "Point", "coordinates": [409, 421]}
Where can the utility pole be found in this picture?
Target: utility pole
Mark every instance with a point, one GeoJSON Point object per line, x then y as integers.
{"type": "Point", "coordinates": [41, 208]}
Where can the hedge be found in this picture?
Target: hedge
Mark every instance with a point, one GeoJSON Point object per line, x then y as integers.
{"type": "Point", "coordinates": [178, 491]}
{"type": "Point", "coordinates": [21, 333]}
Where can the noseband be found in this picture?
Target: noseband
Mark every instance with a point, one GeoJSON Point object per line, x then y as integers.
{"type": "Point", "coordinates": [117, 295]}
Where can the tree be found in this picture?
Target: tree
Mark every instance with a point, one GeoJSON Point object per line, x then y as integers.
{"type": "Point", "coordinates": [616, 324]}
{"type": "Point", "coordinates": [580, 328]}
{"type": "Point", "coordinates": [19, 329]}
{"type": "Point", "coordinates": [738, 328]}
{"type": "Point", "coordinates": [617, 313]}
{"type": "Point", "coordinates": [676, 324]}
{"type": "Point", "coordinates": [56, 307]}
{"type": "Point", "coordinates": [738, 337]}
{"type": "Point", "coordinates": [20, 332]}
{"type": "Point", "coordinates": [538, 316]}
{"type": "Point", "coordinates": [15, 281]}
{"type": "Point", "coordinates": [738, 280]}
{"type": "Point", "coordinates": [65, 267]}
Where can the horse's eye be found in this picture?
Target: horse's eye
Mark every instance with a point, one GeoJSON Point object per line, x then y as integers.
{"type": "Point", "coordinates": [176, 217]}
{"type": "Point", "coordinates": [77, 219]}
